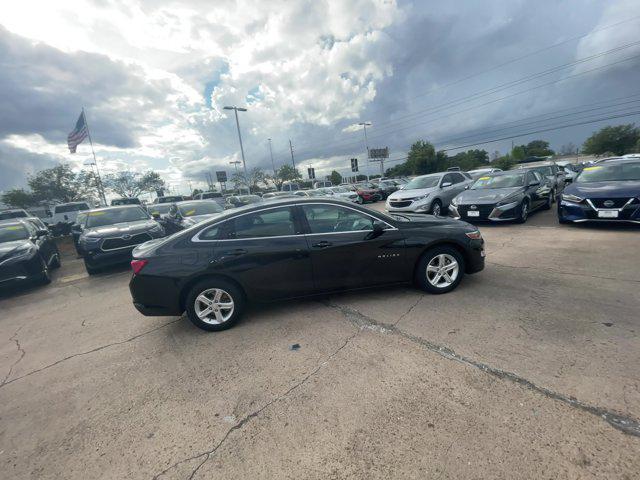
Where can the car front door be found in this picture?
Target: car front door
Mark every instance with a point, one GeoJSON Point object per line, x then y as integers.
{"type": "Point", "coordinates": [265, 251]}
{"type": "Point", "coordinates": [345, 251]}
{"type": "Point", "coordinates": [538, 188]}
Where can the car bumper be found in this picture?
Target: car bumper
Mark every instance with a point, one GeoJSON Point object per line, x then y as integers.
{"type": "Point", "coordinates": [485, 213]}
{"type": "Point", "coordinates": [414, 207]}
{"type": "Point", "coordinates": [20, 272]}
{"type": "Point", "coordinates": [155, 296]}
{"type": "Point", "coordinates": [584, 212]}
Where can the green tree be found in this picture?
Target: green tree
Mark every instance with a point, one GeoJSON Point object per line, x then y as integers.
{"type": "Point", "coordinates": [335, 178]}
{"type": "Point", "coordinates": [505, 163]}
{"type": "Point", "coordinates": [619, 140]}
{"type": "Point", "coordinates": [538, 148]}
{"type": "Point", "coordinates": [62, 184]}
{"type": "Point", "coordinates": [196, 191]}
{"type": "Point", "coordinates": [132, 184]}
{"type": "Point", "coordinates": [19, 198]}
{"type": "Point", "coordinates": [518, 153]}
{"type": "Point", "coordinates": [469, 160]}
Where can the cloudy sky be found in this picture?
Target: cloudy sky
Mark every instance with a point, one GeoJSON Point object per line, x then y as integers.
{"type": "Point", "coordinates": [154, 76]}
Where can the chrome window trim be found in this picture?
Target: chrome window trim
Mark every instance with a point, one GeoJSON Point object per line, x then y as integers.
{"type": "Point", "coordinates": [196, 238]}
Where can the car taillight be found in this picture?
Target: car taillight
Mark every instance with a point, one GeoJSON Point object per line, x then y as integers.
{"type": "Point", "coordinates": [138, 265]}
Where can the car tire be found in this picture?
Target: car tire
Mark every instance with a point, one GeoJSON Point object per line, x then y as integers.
{"type": "Point", "coordinates": [91, 269]}
{"type": "Point", "coordinates": [549, 202]}
{"type": "Point", "coordinates": [210, 289]}
{"type": "Point", "coordinates": [45, 276]}
{"type": "Point", "coordinates": [439, 257]}
{"type": "Point", "coordinates": [436, 208]}
{"type": "Point", "coordinates": [524, 211]}
{"type": "Point", "coordinates": [554, 195]}
{"type": "Point", "coordinates": [359, 200]}
{"type": "Point", "coordinates": [56, 263]}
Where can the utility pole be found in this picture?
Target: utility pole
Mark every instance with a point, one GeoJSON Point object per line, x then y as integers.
{"type": "Point", "coordinates": [366, 143]}
{"type": "Point", "coordinates": [292, 160]}
{"type": "Point", "coordinates": [244, 164]}
{"type": "Point", "coordinates": [273, 165]}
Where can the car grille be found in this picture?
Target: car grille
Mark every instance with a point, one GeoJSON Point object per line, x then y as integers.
{"type": "Point", "coordinates": [400, 203]}
{"type": "Point", "coordinates": [121, 242]}
{"type": "Point", "coordinates": [612, 202]}
{"type": "Point", "coordinates": [485, 210]}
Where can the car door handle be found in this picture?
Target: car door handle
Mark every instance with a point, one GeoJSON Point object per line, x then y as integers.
{"type": "Point", "coordinates": [322, 244]}
{"type": "Point", "coordinates": [236, 252]}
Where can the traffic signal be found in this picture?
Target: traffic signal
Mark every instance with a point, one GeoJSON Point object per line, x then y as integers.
{"type": "Point", "coordinates": [312, 173]}
{"type": "Point", "coordinates": [354, 164]}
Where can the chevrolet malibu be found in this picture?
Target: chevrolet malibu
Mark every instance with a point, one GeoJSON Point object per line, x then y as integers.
{"type": "Point", "coordinates": [296, 247]}
{"type": "Point", "coordinates": [609, 191]}
{"type": "Point", "coordinates": [429, 193]}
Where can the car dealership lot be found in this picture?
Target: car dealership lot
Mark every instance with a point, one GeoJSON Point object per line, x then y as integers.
{"type": "Point", "coordinates": [529, 369]}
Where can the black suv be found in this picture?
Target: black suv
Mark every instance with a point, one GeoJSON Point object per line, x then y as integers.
{"type": "Point", "coordinates": [107, 235]}
{"type": "Point", "coordinates": [26, 253]}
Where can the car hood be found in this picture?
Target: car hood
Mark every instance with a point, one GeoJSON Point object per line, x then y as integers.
{"type": "Point", "coordinates": [487, 195]}
{"type": "Point", "coordinates": [626, 188]}
{"type": "Point", "coordinates": [120, 228]}
{"type": "Point", "coordinates": [413, 193]}
{"type": "Point", "coordinates": [7, 249]}
{"type": "Point", "coordinates": [410, 220]}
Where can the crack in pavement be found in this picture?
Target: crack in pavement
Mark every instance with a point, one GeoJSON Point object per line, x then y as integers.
{"type": "Point", "coordinates": [409, 310]}
{"type": "Point", "coordinates": [624, 423]}
{"type": "Point", "coordinates": [14, 338]}
{"type": "Point", "coordinates": [556, 272]}
{"type": "Point", "coordinates": [97, 349]}
{"type": "Point", "coordinates": [246, 419]}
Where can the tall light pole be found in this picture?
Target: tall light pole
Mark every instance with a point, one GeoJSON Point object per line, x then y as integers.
{"type": "Point", "coordinates": [366, 143]}
{"type": "Point", "coordinates": [244, 164]}
{"type": "Point", "coordinates": [273, 165]}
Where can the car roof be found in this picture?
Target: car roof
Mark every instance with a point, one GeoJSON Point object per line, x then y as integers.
{"type": "Point", "coordinates": [115, 207]}
{"type": "Point", "coordinates": [619, 160]}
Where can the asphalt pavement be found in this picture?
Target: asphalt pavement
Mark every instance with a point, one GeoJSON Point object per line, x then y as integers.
{"type": "Point", "coordinates": [530, 369]}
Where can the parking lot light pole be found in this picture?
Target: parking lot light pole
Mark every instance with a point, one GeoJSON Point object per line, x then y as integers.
{"type": "Point", "coordinates": [244, 163]}
{"type": "Point", "coordinates": [366, 143]}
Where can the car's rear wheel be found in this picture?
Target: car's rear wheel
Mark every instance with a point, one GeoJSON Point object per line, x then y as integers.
{"type": "Point", "coordinates": [436, 208]}
{"type": "Point", "coordinates": [524, 211]}
{"type": "Point", "coordinates": [55, 261]}
{"type": "Point", "coordinates": [549, 202]}
{"type": "Point", "coordinates": [440, 270]}
{"type": "Point", "coordinates": [45, 276]}
{"type": "Point", "coordinates": [214, 304]}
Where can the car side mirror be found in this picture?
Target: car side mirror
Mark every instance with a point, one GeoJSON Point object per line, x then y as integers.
{"type": "Point", "coordinates": [534, 183]}
{"type": "Point", "coordinates": [42, 232]}
{"type": "Point", "coordinates": [467, 187]}
{"type": "Point", "coordinates": [376, 230]}
{"type": "Point", "coordinates": [568, 179]}
{"type": "Point", "coordinates": [446, 184]}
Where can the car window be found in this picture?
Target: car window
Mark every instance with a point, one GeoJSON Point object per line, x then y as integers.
{"type": "Point", "coordinates": [610, 172]}
{"type": "Point", "coordinates": [423, 182]}
{"type": "Point", "coordinates": [71, 208]}
{"type": "Point", "coordinates": [498, 181]}
{"type": "Point", "coordinates": [192, 209]}
{"type": "Point", "coordinates": [333, 218]}
{"type": "Point", "coordinates": [99, 218]}
{"type": "Point", "coordinates": [267, 223]}
{"type": "Point", "coordinates": [457, 177]}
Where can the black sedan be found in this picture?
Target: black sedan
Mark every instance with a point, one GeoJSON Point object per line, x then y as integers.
{"type": "Point", "coordinates": [608, 191]}
{"type": "Point", "coordinates": [501, 196]}
{"type": "Point", "coordinates": [26, 253]}
{"type": "Point", "coordinates": [109, 234]}
{"type": "Point", "coordinates": [293, 248]}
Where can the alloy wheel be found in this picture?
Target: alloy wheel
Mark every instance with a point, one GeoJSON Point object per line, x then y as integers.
{"type": "Point", "coordinates": [524, 211]}
{"type": "Point", "coordinates": [436, 209]}
{"type": "Point", "coordinates": [442, 270]}
{"type": "Point", "coordinates": [214, 306]}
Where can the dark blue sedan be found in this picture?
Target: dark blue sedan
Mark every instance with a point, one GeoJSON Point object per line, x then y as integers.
{"type": "Point", "coordinates": [607, 191]}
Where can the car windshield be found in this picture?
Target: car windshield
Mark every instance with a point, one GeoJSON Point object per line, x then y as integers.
{"type": "Point", "coordinates": [12, 214]}
{"type": "Point", "coordinates": [423, 182]}
{"type": "Point", "coordinates": [499, 181]}
{"type": "Point", "coordinates": [159, 208]}
{"type": "Point", "coordinates": [543, 170]}
{"type": "Point", "coordinates": [100, 218]}
{"type": "Point", "coordinates": [125, 201]}
{"type": "Point", "coordinates": [75, 207]}
{"type": "Point", "coordinates": [339, 189]}
{"type": "Point", "coordinates": [207, 195]}
{"type": "Point", "coordinates": [622, 171]}
{"type": "Point", "coordinates": [11, 233]}
{"type": "Point", "coordinates": [249, 198]}
{"type": "Point", "coordinates": [199, 208]}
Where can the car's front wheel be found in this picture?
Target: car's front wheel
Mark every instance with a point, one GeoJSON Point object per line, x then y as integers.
{"type": "Point", "coordinates": [90, 268]}
{"type": "Point", "coordinates": [214, 304]}
{"type": "Point", "coordinates": [524, 211]}
{"type": "Point", "coordinates": [436, 208]}
{"type": "Point", "coordinates": [360, 200]}
{"type": "Point", "coordinates": [440, 270]}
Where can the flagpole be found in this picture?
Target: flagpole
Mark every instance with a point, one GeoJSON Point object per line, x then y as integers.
{"type": "Point", "coordinates": [95, 162]}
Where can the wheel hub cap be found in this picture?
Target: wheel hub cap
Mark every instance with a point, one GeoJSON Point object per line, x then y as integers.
{"type": "Point", "coordinates": [442, 270]}
{"type": "Point", "coordinates": [214, 306]}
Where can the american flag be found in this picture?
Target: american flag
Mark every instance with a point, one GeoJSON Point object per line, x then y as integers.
{"type": "Point", "coordinates": [78, 134]}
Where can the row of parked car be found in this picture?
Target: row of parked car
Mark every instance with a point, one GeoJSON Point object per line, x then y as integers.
{"type": "Point", "coordinates": [605, 190]}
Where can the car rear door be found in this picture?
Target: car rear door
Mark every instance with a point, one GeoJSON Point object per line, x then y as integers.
{"type": "Point", "coordinates": [264, 250]}
{"type": "Point", "coordinates": [344, 251]}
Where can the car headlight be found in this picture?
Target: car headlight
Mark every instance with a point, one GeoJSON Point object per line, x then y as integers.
{"type": "Point", "coordinates": [454, 201]}
{"type": "Point", "coordinates": [571, 198]}
{"type": "Point", "coordinates": [90, 241]}
{"type": "Point", "coordinates": [505, 201]}
{"type": "Point", "coordinates": [423, 197]}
